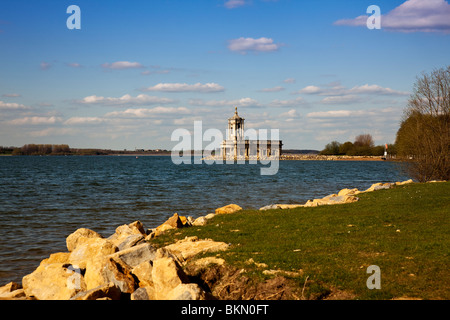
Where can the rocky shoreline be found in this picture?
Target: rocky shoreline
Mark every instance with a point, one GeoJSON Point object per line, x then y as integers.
{"type": "Point", "coordinates": [127, 266]}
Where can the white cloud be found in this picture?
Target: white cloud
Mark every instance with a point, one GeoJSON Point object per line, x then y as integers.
{"type": "Point", "coordinates": [148, 72]}
{"type": "Point", "coordinates": [146, 113]}
{"type": "Point", "coordinates": [366, 114]}
{"type": "Point", "coordinates": [118, 65]}
{"type": "Point", "coordinates": [231, 4]}
{"type": "Point", "coordinates": [335, 89]}
{"type": "Point", "coordinates": [74, 65]}
{"type": "Point", "coordinates": [35, 120]}
{"type": "Point", "coordinates": [286, 103]}
{"type": "Point", "coordinates": [56, 132]}
{"type": "Point", "coordinates": [291, 114]}
{"type": "Point", "coordinates": [184, 87]}
{"type": "Point", "coordinates": [11, 95]}
{"type": "Point", "coordinates": [376, 89]}
{"type": "Point", "coordinates": [244, 45]}
{"type": "Point", "coordinates": [84, 120]}
{"type": "Point", "coordinates": [243, 102]}
{"type": "Point", "coordinates": [12, 106]}
{"type": "Point", "coordinates": [331, 114]}
{"type": "Point", "coordinates": [309, 90]}
{"type": "Point", "coordinates": [127, 99]}
{"type": "Point", "coordinates": [411, 16]}
{"type": "Point", "coordinates": [289, 80]}
{"type": "Point", "coordinates": [274, 89]}
{"type": "Point", "coordinates": [341, 99]}
{"type": "Point", "coordinates": [45, 65]}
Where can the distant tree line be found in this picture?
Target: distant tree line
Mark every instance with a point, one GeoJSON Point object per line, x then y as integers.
{"type": "Point", "coordinates": [362, 146]}
{"type": "Point", "coordinates": [42, 149]}
{"type": "Point", "coordinates": [53, 150]}
{"type": "Point", "coordinates": [64, 149]}
{"type": "Point", "coordinates": [6, 150]}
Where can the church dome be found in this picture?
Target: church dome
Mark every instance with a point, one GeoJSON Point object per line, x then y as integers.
{"type": "Point", "coordinates": [236, 116]}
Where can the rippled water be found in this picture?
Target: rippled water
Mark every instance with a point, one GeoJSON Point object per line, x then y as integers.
{"type": "Point", "coordinates": [44, 199]}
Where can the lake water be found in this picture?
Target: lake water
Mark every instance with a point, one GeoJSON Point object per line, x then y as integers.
{"type": "Point", "coordinates": [44, 199]}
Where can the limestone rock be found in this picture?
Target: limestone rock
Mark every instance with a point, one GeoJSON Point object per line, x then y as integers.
{"type": "Point", "coordinates": [191, 246]}
{"type": "Point", "coordinates": [378, 186]}
{"type": "Point", "coordinates": [190, 221]}
{"type": "Point", "coordinates": [160, 229]}
{"type": "Point", "coordinates": [18, 294]}
{"type": "Point", "coordinates": [129, 229]}
{"type": "Point", "coordinates": [12, 290]}
{"type": "Point", "coordinates": [72, 239]}
{"type": "Point", "coordinates": [128, 235]}
{"type": "Point", "coordinates": [136, 255]}
{"type": "Point", "coordinates": [281, 206]}
{"type": "Point", "coordinates": [110, 291]}
{"type": "Point", "coordinates": [151, 235]}
{"type": "Point", "coordinates": [231, 208]}
{"type": "Point", "coordinates": [137, 227]}
{"type": "Point", "coordinates": [186, 221]}
{"type": "Point", "coordinates": [289, 206]}
{"type": "Point", "coordinates": [404, 182]}
{"type": "Point", "coordinates": [269, 207]}
{"type": "Point", "coordinates": [345, 192]}
{"type": "Point", "coordinates": [109, 269]}
{"type": "Point", "coordinates": [130, 241]}
{"type": "Point", "coordinates": [144, 293]}
{"type": "Point", "coordinates": [89, 248]}
{"type": "Point", "coordinates": [186, 291]}
{"type": "Point", "coordinates": [53, 282]}
{"type": "Point", "coordinates": [10, 287]}
{"type": "Point", "coordinates": [58, 257]}
{"type": "Point", "coordinates": [118, 273]}
{"type": "Point", "coordinates": [331, 200]}
{"type": "Point", "coordinates": [174, 222]}
{"type": "Point", "coordinates": [144, 273]}
{"type": "Point", "coordinates": [167, 275]}
{"type": "Point", "coordinates": [94, 275]}
{"type": "Point", "coordinates": [342, 199]}
{"type": "Point", "coordinates": [200, 221]}
{"type": "Point", "coordinates": [310, 203]}
{"type": "Point", "coordinates": [210, 216]}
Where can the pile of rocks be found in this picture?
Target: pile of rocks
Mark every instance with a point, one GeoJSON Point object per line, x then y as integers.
{"type": "Point", "coordinates": [344, 196]}
{"type": "Point", "coordinates": [122, 266]}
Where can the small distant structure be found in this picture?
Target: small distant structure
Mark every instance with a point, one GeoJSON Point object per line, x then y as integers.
{"type": "Point", "coordinates": [236, 147]}
{"type": "Point", "coordinates": [385, 152]}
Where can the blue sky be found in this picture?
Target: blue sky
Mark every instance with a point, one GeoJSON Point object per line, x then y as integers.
{"type": "Point", "coordinates": [138, 70]}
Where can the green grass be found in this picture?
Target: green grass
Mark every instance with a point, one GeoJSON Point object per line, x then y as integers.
{"type": "Point", "coordinates": [403, 230]}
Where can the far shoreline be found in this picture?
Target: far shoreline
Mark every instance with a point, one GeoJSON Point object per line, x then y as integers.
{"type": "Point", "coordinates": [287, 157]}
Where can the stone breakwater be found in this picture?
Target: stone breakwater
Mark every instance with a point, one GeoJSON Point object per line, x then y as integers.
{"type": "Point", "coordinates": [127, 266]}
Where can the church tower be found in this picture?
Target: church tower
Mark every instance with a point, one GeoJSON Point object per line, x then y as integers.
{"type": "Point", "coordinates": [237, 147]}
{"type": "Point", "coordinates": [235, 129]}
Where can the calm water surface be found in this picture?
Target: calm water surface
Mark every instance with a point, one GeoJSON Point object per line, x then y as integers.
{"type": "Point", "coordinates": [44, 199]}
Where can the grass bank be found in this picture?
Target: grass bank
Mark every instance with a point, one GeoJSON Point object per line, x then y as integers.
{"type": "Point", "coordinates": [404, 230]}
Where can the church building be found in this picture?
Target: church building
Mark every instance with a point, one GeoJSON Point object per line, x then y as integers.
{"type": "Point", "coordinates": [237, 147]}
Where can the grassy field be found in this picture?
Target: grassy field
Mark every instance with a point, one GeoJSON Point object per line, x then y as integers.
{"type": "Point", "coordinates": [404, 230]}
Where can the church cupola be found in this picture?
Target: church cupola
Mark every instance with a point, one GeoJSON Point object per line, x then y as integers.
{"type": "Point", "coordinates": [235, 127]}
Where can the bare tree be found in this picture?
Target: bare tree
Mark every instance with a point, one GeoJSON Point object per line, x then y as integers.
{"type": "Point", "coordinates": [364, 140]}
{"type": "Point", "coordinates": [424, 134]}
